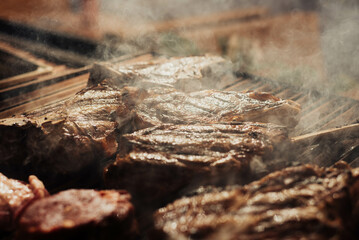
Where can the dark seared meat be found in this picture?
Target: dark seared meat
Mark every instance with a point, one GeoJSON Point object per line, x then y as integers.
{"type": "Point", "coordinates": [159, 161]}
{"type": "Point", "coordinates": [80, 214]}
{"type": "Point", "coordinates": [69, 140]}
{"type": "Point", "coordinates": [185, 74]}
{"type": "Point", "coordinates": [213, 106]}
{"type": "Point", "coordinates": [305, 202]}
{"type": "Point", "coordinates": [15, 196]}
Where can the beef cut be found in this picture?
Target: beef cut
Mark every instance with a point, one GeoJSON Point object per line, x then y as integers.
{"type": "Point", "coordinates": [69, 139]}
{"type": "Point", "coordinates": [15, 196]}
{"type": "Point", "coordinates": [214, 106]}
{"type": "Point", "coordinates": [157, 162]}
{"type": "Point", "coordinates": [304, 202]}
{"type": "Point", "coordinates": [174, 97]}
{"type": "Point", "coordinates": [183, 73]}
{"type": "Point", "coordinates": [80, 214]}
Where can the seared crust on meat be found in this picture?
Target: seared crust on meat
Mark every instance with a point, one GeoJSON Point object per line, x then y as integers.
{"type": "Point", "coordinates": [214, 106]}
{"type": "Point", "coordinates": [182, 73]}
{"type": "Point", "coordinates": [305, 202]}
{"type": "Point", "coordinates": [157, 162]}
{"type": "Point", "coordinates": [69, 140]}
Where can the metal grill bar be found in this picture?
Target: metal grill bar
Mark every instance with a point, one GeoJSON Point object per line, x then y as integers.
{"type": "Point", "coordinates": [326, 112]}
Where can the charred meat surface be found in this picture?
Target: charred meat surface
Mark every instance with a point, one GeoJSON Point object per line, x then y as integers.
{"type": "Point", "coordinates": [305, 202]}
{"type": "Point", "coordinates": [185, 73]}
{"type": "Point", "coordinates": [157, 162]}
{"type": "Point", "coordinates": [80, 214]}
{"type": "Point", "coordinates": [15, 196]}
{"type": "Point", "coordinates": [67, 140]}
{"type": "Point", "coordinates": [214, 106]}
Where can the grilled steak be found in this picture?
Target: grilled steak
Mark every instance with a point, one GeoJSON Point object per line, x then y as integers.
{"type": "Point", "coordinates": [213, 106]}
{"type": "Point", "coordinates": [69, 140]}
{"type": "Point", "coordinates": [166, 105]}
{"type": "Point", "coordinates": [15, 196]}
{"type": "Point", "coordinates": [305, 202]}
{"type": "Point", "coordinates": [159, 161]}
{"type": "Point", "coordinates": [185, 74]}
{"type": "Point", "coordinates": [80, 214]}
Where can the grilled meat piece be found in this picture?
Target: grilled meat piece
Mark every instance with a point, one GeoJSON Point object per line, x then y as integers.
{"type": "Point", "coordinates": [80, 214]}
{"type": "Point", "coordinates": [213, 106]}
{"type": "Point", "coordinates": [157, 162]}
{"type": "Point", "coordinates": [305, 202]}
{"type": "Point", "coordinates": [69, 140]}
{"type": "Point", "coordinates": [185, 74]}
{"type": "Point", "coordinates": [15, 196]}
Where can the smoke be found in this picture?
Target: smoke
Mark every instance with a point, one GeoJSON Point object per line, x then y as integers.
{"type": "Point", "coordinates": [137, 11]}
{"type": "Point", "coordinates": [312, 49]}
{"type": "Point", "coordinates": [340, 42]}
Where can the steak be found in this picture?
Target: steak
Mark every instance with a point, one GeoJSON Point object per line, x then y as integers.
{"type": "Point", "coordinates": [168, 80]}
{"type": "Point", "coordinates": [157, 162]}
{"type": "Point", "coordinates": [15, 196]}
{"type": "Point", "coordinates": [185, 73]}
{"type": "Point", "coordinates": [66, 142]}
{"type": "Point", "coordinates": [80, 214]}
{"type": "Point", "coordinates": [214, 106]}
{"type": "Point", "coordinates": [69, 140]}
{"type": "Point", "coordinates": [305, 202]}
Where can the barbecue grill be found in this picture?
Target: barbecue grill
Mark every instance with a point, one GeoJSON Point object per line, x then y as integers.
{"type": "Point", "coordinates": [320, 111]}
{"type": "Point", "coordinates": [327, 132]}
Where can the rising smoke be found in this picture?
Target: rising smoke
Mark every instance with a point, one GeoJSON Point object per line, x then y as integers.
{"type": "Point", "coordinates": [336, 42]}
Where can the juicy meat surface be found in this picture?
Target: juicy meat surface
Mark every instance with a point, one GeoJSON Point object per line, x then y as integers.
{"type": "Point", "coordinates": [214, 106]}
{"type": "Point", "coordinates": [185, 73]}
{"type": "Point", "coordinates": [80, 214]}
{"type": "Point", "coordinates": [15, 196]}
{"type": "Point", "coordinates": [305, 202]}
{"type": "Point", "coordinates": [156, 162]}
{"type": "Point", "coordinates": [69, 138]}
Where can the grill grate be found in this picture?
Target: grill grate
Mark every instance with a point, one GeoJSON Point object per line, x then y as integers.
{"type": "Point", "coordinates": [49, 90]}
{"type": "Point", "coordinates": [319, 112]}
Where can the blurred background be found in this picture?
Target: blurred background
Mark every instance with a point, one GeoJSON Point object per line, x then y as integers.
{"type": "Point", "coordinates": [314, 43]}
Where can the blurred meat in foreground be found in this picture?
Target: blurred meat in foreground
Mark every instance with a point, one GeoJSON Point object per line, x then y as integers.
{"type": "Point", "coordinates": [15, 197]}
{"type": "Point", "coordinates": [80, 214]}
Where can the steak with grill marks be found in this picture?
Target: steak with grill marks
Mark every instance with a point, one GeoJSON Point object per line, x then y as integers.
{"type": "Point", "coordinates": [305, 202]}
{"type": "Point", "coordinates": [68, 140]}
{"type": "Point", "coordinates": [213, 106]}
{"type": "Point", "coordinates": [186, 73]}
{"type": "Point", "coordinates": [157, 162]}
{"type": "Point", "coordinates": [15, 196]}
{"type": "Point", "coordinates": [80, 214]}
